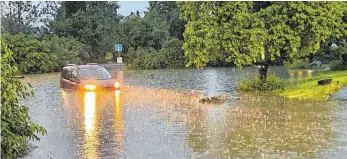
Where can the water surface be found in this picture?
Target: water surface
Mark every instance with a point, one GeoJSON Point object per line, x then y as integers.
{"type": "Point", "coordinates": [156, 114]}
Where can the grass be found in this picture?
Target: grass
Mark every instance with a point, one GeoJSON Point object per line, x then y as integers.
{"type": "Point", "coordinates": [309, 89]}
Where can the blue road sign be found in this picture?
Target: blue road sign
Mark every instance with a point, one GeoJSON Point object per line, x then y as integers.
{"type": "Point", "coordinates": [118, 47]}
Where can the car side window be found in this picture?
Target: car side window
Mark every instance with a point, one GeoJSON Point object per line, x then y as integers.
{"type": "Point", "coordinates": [74, 74]}
{"type": "Point", "coordinates": [66, 74]}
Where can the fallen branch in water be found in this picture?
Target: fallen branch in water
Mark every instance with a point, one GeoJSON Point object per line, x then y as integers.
{"type": "Point", "coordinates": [17, 77]}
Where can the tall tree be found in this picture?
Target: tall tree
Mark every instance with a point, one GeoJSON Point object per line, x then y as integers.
{"type": "Point", "coordinates": [244, 35]}
{"type": "Point", "coordinates": [18, 16]}
{"type": "Point", "coordinates": [167, 11]}
{"type": "Point", "coordinates": [135, 32]}
{"type": "Point", "coordinates": [73, 7]}
{"type": "Point", "coordinates": [94, 27]}
{"type": "Point", "coordinates": [26, 16]}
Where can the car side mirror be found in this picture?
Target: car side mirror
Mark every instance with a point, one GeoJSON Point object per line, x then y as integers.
{"type": "Point", "coordinates": [73, 79]}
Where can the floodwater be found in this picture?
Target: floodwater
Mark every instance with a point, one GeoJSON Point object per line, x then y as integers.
{"type": "Point", "coordinates": [156, 114]}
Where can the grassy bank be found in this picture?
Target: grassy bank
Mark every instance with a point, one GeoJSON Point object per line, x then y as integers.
{"type": "Point", "coordinates": [309, 89]}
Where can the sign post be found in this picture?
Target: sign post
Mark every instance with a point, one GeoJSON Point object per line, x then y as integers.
{"type": "Point", "coordinates": [119, 48]}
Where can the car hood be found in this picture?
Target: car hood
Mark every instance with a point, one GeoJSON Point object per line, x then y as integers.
{"type": "Point", "coordinates": [100, 83]}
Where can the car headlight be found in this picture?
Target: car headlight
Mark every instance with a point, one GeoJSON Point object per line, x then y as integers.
{"type": "Point", "coordinates": [116, 85]}
{"type": "Point", "coordinates": [89, 87]}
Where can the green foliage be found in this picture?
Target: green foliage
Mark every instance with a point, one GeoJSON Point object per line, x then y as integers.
{"type": "Point", "coordinates": [67, 50]}
{"type": "Point", "coordinates": [272, 83]}
{"type": "Point", "coordinates": [136, 32]}
{"type": "Point", "coordinates": [167, 12]}
{"type": "Point", "coordinates": [309, 89]}
{"type": "Point", "coordinates": [20, 16]}
{"type": "Point", "coordinates": [16, 127]}
{"type": "Point", "coordinates": [297, 64]}
{"type": "Point", "coordinates": [150, 42]}
{"type": "Point", "coordinates": [95, 27]}
{"type": "Point", "coordinates": [173, 53]}
{"type": "Point", "coordinates": [144, 59]}
{"type": "Point", "coordinates": [170, 56]}
{"type": "Point", "coordinates": [337, 65]}
{"type": "Point", "coordinates": [245, 34]}
{"type": "Point", "coordinates": [30, 55]}
{"type": "Point", "coordinates": [73, 7]}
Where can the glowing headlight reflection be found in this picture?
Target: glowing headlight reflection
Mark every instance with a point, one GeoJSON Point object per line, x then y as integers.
{"type": "Point", "coordinates": [118, 120]}
{"type": "Point", "coordinates": [91, 134]}
{"type": "Point", "coordinates": [116, 85]}
{"type": "Point", "coordinates": [89, 112]}
{"type": "Point", "coordinates": [89, 87]}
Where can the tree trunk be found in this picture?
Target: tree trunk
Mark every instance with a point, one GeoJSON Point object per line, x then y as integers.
{"type": "Point", "coordinates": [344, 59]}
{"type": "Point", "coordinates": [263, 72]}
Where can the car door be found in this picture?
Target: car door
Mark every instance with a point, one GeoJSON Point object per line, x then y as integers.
{"type": "Point", "coordinates": [64, 79]}
{"type": "Point", "coordinates": [73, 79]}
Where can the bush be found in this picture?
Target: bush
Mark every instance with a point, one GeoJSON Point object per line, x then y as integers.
{"type": "Point", "coordinates": [297, 64]}
{"type": "Point", "coordinates": [16, 126]}
{"type": "Point", "coordinates": [145, 59]}
{"type": "Point", "coordinates": [173, 53]}
{"type": "Point", "coordinates": [272, 83]}
{"type": "Point", "coordinates": [67, 50]}
{"type": "Point", "coordinates": [38, 62]}
{"type": "Point", "coordinates": [170, 55]}
{"type": "Point", "coordinates": [337, 65]}
{"type": "Point", "coordinates": [30, 55]}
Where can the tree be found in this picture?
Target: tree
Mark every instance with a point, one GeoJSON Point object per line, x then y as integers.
{"type": "Point", "coordinates": [67, 50]}
{"type": "Point", "coordinates": [135, 32]}
{"type": "Point", "coordinates": [167, 11]}
{"type": "Point", "coordinates": [94, 27]}
{"type": "Point", "coordinates": [30, 55]}
{"type": "Point", "coordinates": [173, 53]}
{"type": "Point", "coordinates": [245, 36]}
{"type": "Point", "coordinates": [20, 16]}
{"type": "Point", "coordinates": [16, 127]}
{"type": "Point", "coordinates": [73, 7]}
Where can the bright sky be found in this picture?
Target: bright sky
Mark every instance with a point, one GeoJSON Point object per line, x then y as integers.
{"type": "Point", "coordinates": [126, 7]}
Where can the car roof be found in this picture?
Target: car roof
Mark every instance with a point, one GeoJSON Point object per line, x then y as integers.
{"type": "Point", "coordinates": [87, 66]}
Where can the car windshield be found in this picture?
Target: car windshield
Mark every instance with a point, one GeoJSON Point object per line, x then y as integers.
{"type": "Point", "coordinates": [98, 73]}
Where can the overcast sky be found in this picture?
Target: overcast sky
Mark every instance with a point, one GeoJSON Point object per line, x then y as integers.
{"type": "Point", "coordinates": [126, 7]}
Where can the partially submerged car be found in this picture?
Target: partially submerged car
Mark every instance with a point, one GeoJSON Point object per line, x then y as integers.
{"type": "Point", "coordinates": [91, 76]}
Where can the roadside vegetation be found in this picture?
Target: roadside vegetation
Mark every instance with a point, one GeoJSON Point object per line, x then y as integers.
{"type": "Point", "coordinates": [168, 35]}
{"type": "Point", "coordinates": [254, 84]}
{"type": "Point", "coordinates": [265, 34]}
{"type": "Point", "coordinates": [16, 127]}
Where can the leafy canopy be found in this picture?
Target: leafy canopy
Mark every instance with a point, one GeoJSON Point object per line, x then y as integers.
{"type": "Point", "coordinates": [30, 55]}
{"type": "Point", "coordinates": [16, 126]}
{"type": "Point", "coordinates": [243, 35]}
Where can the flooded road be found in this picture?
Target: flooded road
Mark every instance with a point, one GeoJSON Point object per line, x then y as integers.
{"type": "Point", "coordinates": [156, 114]}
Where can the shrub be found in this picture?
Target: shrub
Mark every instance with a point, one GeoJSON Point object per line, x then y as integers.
{"type": "Point", "coordinates": [38, 62]}
{"type": "Point", "coordinates": [173, 53]}
{"type": "Point", "coordinates": [297, 64]}
{"type": "Point", "coordinates": [67, 50]}
{"type": "Point", "coordinates": [272, 83]}
{"type": "Point", "coordinates": [337, 65]}
{"type": "Point", "coordinates": [16, 126]}
{"type": "Point", "coordinates": [170, 55]}
{"type": "Point", "coordinates": [30, 55]}
{"type": "Point", "coordinates": [145, 59]}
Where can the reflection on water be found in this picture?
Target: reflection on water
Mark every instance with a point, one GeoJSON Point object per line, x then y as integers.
{"type": "Point", "coordinates": [91, 138]}
{"type": "Point", "coordinates": [143, 121]}
{"type": "Point", "coordinates": [299, 74]}
{"type": "Point", "coordinates": [197, 126]}
{"type": "Point", "coordinates": [277, 127]}
{"type": "Point", "coordinates": [89, 112]}
{"type": "Point", "coordinates": [118, 122]}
